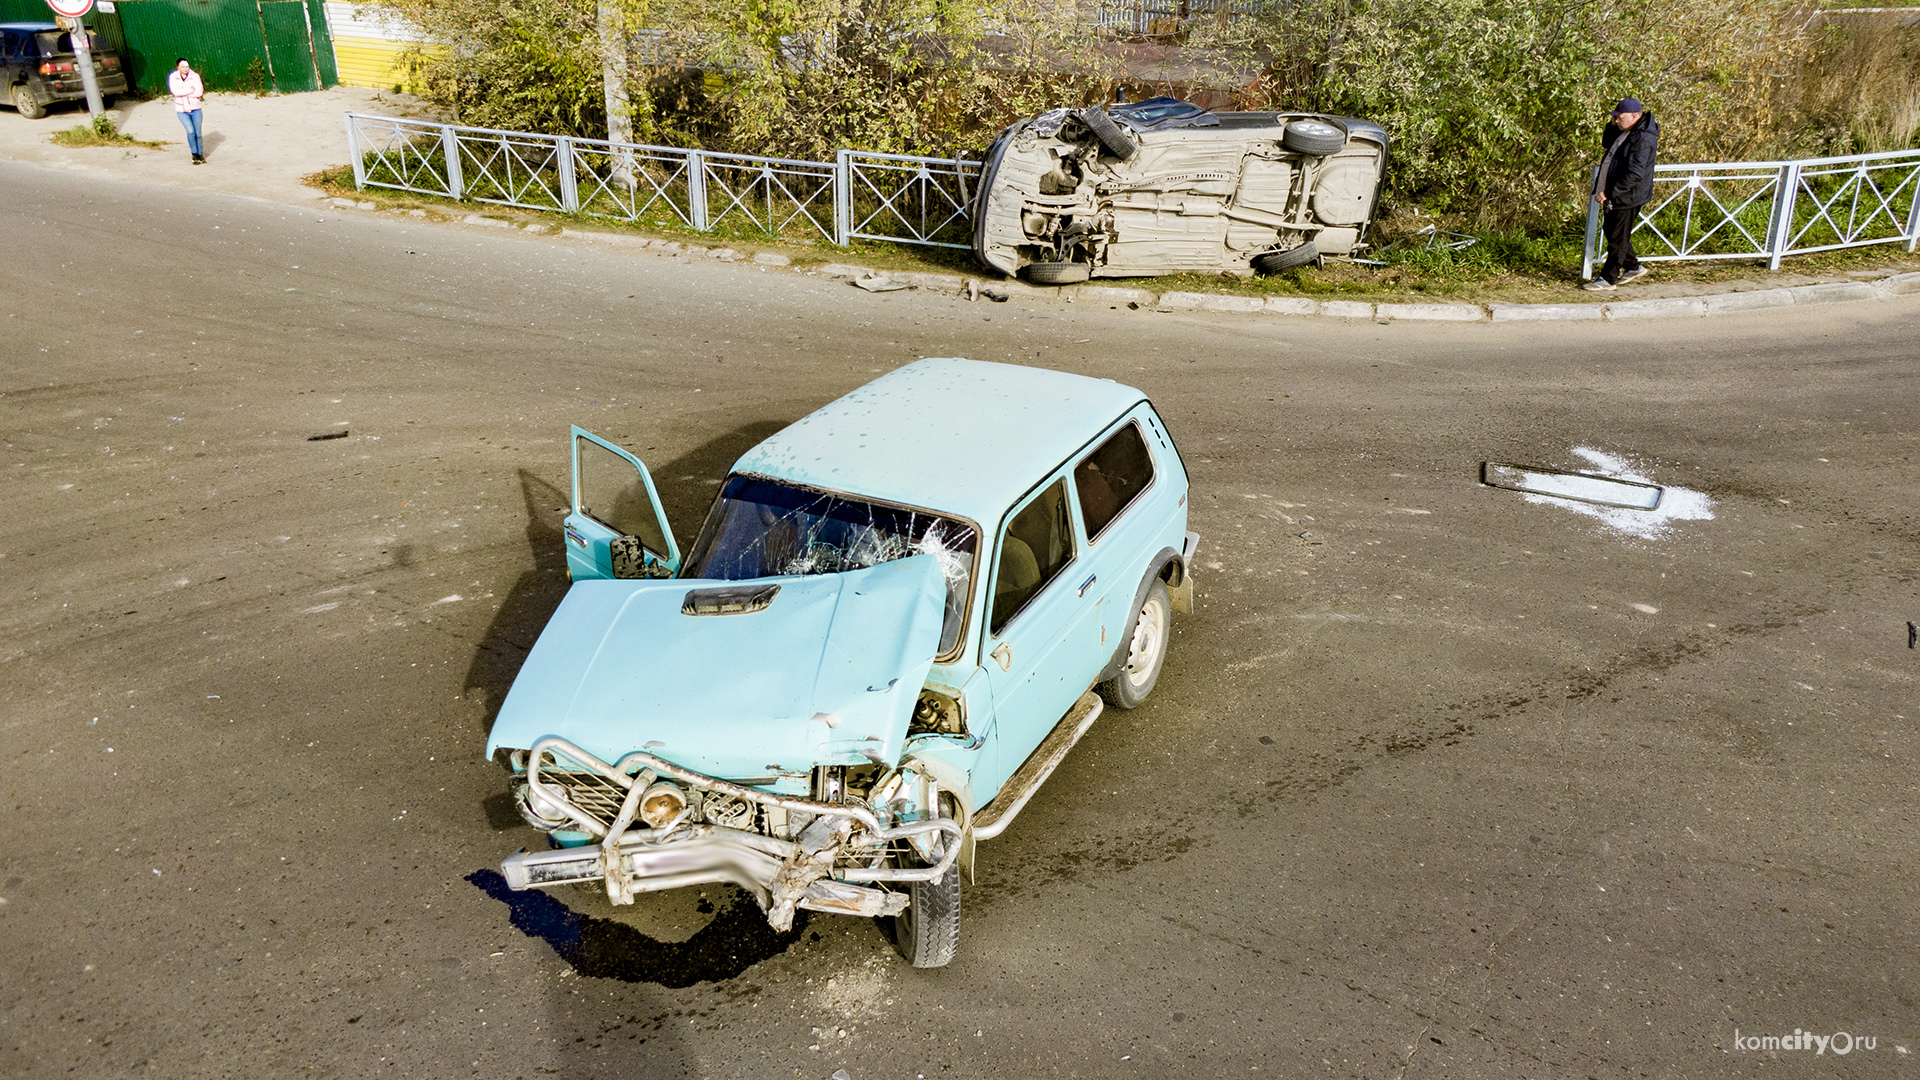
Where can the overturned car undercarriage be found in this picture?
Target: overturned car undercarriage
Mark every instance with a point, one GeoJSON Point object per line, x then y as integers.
{"type": "Point", "coordinates": [1162, 186]}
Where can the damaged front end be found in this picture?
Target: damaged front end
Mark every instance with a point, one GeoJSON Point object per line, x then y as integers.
{"type": "Point", "coordinates": [861, 833]}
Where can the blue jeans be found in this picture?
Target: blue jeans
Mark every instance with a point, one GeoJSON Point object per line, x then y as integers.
{"type": "Point", "coordinates": [191, 121]}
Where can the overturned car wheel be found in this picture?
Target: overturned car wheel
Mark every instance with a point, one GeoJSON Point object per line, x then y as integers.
{"type": "Point", "coordinates": [1316, 137]}
{"type": "Point", "coordinates": [1058, 273]}
{"type": "Point", "coordinates": [1118, 143]}
{"type": "Point", "coordinates": [1272, 262]}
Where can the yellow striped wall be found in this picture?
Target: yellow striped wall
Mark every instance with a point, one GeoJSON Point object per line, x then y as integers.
{"type": "Point", "coordinates": [368, 61]}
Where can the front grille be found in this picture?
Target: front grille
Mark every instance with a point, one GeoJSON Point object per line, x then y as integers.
{"type": "Point", "coordinates": [589, 792]}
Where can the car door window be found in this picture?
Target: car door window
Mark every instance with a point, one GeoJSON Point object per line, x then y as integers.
{"type": "Point", "coordinates": [1037, 545]}
{"type": "Point", "coordinates": [1112, 477]}
{"type": "Point", "coordinates": [614, 494]}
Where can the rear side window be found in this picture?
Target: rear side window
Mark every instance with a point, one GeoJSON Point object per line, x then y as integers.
{"type": "Point", "coordinates": [1112, 477]}
{"type": "Point", "coordinates": [1038, 544]}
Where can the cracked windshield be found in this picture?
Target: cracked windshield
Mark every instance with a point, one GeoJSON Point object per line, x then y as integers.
{"type": "Point", "coordinates": [764, 529]}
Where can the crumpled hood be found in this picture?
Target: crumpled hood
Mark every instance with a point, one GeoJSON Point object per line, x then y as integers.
{"type": "Point", "coordinates": [827, 673]}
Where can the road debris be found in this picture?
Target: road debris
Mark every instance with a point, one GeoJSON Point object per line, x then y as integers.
{"type": "Point", "coordinates": [1564, 484]}
{"type": "Point", "coordinates": [879, 283]}
{"type": "Point", "coordinates": [325, 435]}
{"type": "Point", "coordinates": [1653, 517]}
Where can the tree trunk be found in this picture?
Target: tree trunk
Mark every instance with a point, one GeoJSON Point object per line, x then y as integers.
{"type": "Point", "coordinates": [613, 76]}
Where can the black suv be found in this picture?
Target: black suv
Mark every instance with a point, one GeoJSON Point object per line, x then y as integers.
{"type": "Point", "coordinates": [37, 67]}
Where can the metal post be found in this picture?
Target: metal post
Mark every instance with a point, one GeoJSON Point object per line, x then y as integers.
{"type": "Point", "coordinates": [843, 198]}
{"type": "Point", "coordinates": [697, 190]}
{"type": "Point", "coordinates": [1593, 232]}
{"type": "Point", "coordinates": [569, 191]}
{"type": "Point", "coordinates": [450, 148]}
{"type": "Point", "coordinates": [83, 59]}
{"type": "Point", "coordinates": [1913, 212]}
{"type": "Point", "coordinates": [1780, 230]}
{"type": "Point", "coordinates": [353, 151]}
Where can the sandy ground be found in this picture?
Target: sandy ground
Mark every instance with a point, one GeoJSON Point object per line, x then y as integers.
{"type": "Point", "coordinates": [1438, 781]}
{"type": "Point", "coordinates": [256, 146]}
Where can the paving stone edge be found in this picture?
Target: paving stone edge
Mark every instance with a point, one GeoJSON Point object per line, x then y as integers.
{"type": "Point", "coordinates": [1385, 311]}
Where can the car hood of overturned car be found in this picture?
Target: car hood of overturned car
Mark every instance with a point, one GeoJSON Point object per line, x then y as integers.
{"type": "Point", "coordinates": [734, 679]}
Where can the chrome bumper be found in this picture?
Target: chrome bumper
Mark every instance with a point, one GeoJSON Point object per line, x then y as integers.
{"type": "Point", "coordinates": [835, 849]}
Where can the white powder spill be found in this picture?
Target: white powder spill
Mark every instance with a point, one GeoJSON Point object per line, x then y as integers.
{"type": "Point", "coordinates": [1676, 503]}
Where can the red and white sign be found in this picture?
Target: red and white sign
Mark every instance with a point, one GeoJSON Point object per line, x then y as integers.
{"type": "Point", "coordinates": [71, 9]}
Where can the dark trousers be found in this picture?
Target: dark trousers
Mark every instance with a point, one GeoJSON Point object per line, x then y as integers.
{"type": "Point", "coordinates": [1617, 226]}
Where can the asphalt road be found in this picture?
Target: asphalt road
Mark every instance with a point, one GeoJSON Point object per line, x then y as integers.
{"type": "Point", "coordinates": [1438, 782]}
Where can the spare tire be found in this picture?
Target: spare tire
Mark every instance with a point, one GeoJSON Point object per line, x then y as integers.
{"type": "Point", "coordinates": [1118, 143]}
{"type": "Point", "coordinates": [1272, 262]}
{"type": "Point", "coordinates": [1059, 273]}
{"type": "Point", "coordinates": [1315, 137]}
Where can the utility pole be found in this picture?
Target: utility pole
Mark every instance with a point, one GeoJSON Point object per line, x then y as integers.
{"type": "Point", "coordinates": [68, 14]}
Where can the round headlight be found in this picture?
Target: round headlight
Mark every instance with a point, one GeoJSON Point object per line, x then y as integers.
{"type": "Point", "coordinates": [661, 803]}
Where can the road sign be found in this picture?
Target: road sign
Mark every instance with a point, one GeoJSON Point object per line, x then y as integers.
{"type": "Point", "coordinates": [72, 9]}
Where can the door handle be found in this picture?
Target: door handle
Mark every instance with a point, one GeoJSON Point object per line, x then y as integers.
{"type": "Point", "coordinates": [1088, 584]}
{"type": "Point", "coordinates": [1003, 656]}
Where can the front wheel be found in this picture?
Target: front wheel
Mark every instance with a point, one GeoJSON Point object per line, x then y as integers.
{"type": "Point", "coordinates": [1273, 262]}
{"type": "Point", "coordinates": [29, 106]}
{"type": "Point", "coordinates": [928, 932]}
{"type": "Point", "coordinates": [1058, 273]}
{"type": "Point", "coordinates": [1146, 652]}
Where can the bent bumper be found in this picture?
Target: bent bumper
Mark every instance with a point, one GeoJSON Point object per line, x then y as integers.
{"type": "Point", "coordinates": [829, 862]}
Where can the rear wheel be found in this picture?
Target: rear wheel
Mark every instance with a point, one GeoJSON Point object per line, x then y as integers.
{"type": "Point", "coordinates": [1315, 137]}
{"type": "Point", "coordinates": [29, 106]}
{"type": "Point", "coordinates": [1272, 262]}
{"type": "Point", "coordinates": [1146, 652]}
{"type": "Point", "coordinates": [1058, 273]}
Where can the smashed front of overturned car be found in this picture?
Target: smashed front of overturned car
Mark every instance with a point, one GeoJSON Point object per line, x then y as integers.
{"type": "Point", "coordinates": [1163, 186]}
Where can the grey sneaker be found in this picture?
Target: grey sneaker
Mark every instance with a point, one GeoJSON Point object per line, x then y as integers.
{"type": "Point", "coordinates": [1634, 274]}
{"type": "Point", "coordinates": [1598, 284]}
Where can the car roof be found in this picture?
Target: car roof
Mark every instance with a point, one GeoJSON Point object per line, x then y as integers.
{"type": "Point", "coordinates": [36, 27]}
{"type": "Point", "coordinates": [964, 437]}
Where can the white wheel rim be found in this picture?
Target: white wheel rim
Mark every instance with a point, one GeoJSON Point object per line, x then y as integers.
{"type": "Point", "coordinates": [1149, 637]}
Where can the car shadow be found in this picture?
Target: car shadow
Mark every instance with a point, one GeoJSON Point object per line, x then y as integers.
{"type": "Point", "coordinates": [601, 948]}
{"type": "Point", "coordinates": [686, 485]}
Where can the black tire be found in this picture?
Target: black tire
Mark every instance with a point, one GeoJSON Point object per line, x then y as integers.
{"type": "Point", "coordinates": [1146, 651]}
{"type": "Point", "coordinates": [928, 932]}
{"type": "Point", "coordinates": [1315, 137]}
{"type": "Point", "coordinates": [1272, 262]}
{"type": "Point", "coordinates": [1058, 273]}
{"type": "Point", "coordinates": [29, 106]}
{"type": "Point", "coordinates": [1118, 143]}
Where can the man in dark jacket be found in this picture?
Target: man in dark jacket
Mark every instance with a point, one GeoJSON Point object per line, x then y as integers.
{"type": "Point", "coordinates": [1623, 186]}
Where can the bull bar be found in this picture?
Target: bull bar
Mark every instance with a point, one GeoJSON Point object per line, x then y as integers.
{"type": "Point", "coordinates": [781, 874]}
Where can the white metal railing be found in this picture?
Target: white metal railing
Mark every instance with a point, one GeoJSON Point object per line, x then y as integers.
{"type": "Point", "coordinates": [1772, 209]}
{"type": "Point", "coordinates": [892, 197]}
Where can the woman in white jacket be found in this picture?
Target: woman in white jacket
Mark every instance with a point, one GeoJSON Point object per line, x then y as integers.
{"type": "Point", "coordinates": [188, 94]}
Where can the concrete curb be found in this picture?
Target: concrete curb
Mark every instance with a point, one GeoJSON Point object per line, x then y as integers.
{"type": "Point", "coordinates": [1837, 292]}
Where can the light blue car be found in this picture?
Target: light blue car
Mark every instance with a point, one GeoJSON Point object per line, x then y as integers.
{"type": "Point", "coordinates": [888, 633]}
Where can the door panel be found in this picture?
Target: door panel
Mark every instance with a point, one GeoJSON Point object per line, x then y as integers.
{"type": "Point", "coordinates": [617, 528]}
{"type": "Point", "coordinates": [1041, 624]}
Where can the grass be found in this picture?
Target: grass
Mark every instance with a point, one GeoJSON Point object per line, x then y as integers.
{"type": "Point", "coordinates": [101, 132]}
{"type": "Point", "coordinates": [1500, 267]}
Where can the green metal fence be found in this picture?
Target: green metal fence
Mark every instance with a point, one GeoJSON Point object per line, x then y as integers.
{"type": "Point", "coordinates": [274, 45]}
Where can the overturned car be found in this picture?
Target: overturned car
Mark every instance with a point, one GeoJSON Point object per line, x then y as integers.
{"type": "Point", "coordinates": [901, 614]}
{"type": "Point", "coordinates": [1163, 186]}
